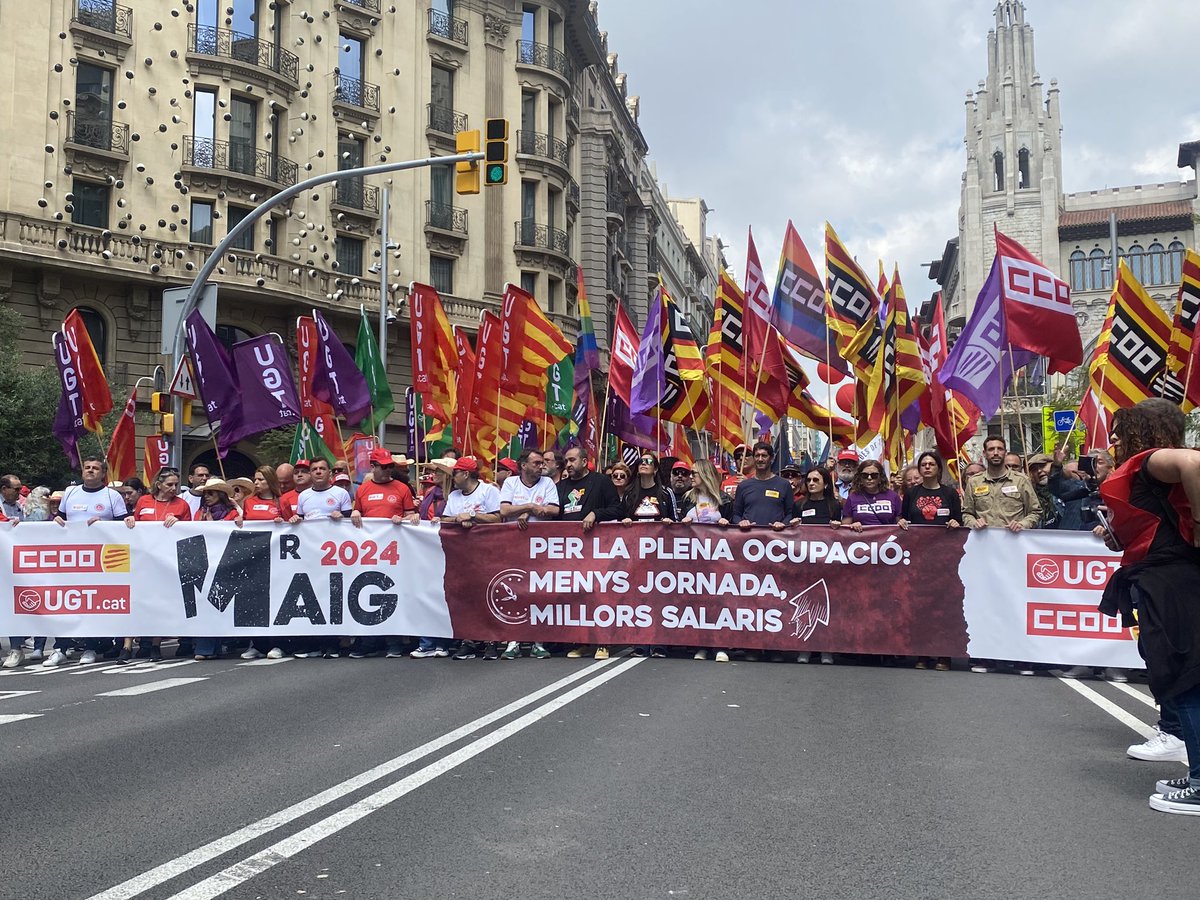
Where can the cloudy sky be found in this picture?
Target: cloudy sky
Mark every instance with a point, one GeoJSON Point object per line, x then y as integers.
{"type": "Point", "coordinates": [861, 105]}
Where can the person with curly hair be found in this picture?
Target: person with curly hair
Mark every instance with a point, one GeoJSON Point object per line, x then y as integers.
{"type": "Point", "coordinates": [1153, 498]}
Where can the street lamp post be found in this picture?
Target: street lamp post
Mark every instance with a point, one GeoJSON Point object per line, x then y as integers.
{"type": "Point", "coordinates": [210, 264]}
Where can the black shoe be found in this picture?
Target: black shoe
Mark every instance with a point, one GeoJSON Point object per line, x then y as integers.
{"type": "Point", "coordinates": [659, 652]}
{"type": "Point", "coordinates": [124, 657]}
{"type": "Point", "coordinates": [491, 651]}
{"type": "Point", "coordinates": [155, 655]}
{"type": "Point", "coordinates": [466, 651]}
{"type": "Point", "coordinates": [184, 651]}
{"type": "Point", "coordinates": [641, 651]}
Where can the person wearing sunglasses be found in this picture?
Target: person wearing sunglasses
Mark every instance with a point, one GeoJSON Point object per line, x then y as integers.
{"type": "Point", "coordinates": [648, 499]}
{"type": "Point", "coordinates": [818, 504]}
{"type": "Point", "coordinates": [871, 501]}
{"type": "Point", "coordinates": [622, 478]}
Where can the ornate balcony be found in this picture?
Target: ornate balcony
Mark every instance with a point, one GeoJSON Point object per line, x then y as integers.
{"type": "Point", "coordinates": [356, 92]}
{"type": "Point", "coordinates": [531, 234]}
{"type": "Point", "coordinates": [102, 25]}
{"type": "Point", "coordinates": [444, 120]}
{"type": "Point", "coordinates": [531, 53]}
{"type": "Point", "coordinates": [239, 159]}
{"type": "Point", "coordinates": [447, 27]}
{"type": "Point", "coordinates": [445, 217]}
{"type": "Point", "coordinates": [97, 133]}
{"type": "Point", "coordinates": [534, 143]}
{"type": "Point", "coordinates": [543, 247]}
{"type": "Point", "coordinates": [104, 15]}
{"type": "Point", "coordinates": [354, 195]}
{"type": "Point", "coordinates": [253, 57]}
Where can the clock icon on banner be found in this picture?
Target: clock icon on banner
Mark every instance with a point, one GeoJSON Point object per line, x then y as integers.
{"type": "Point", "coordinates": [504, 597]}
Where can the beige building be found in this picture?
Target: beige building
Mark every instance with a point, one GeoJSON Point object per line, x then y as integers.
{"type": "Point", "coordinates": [1013, 181]}
{"type": "Point", "coordinates": [139, 132]}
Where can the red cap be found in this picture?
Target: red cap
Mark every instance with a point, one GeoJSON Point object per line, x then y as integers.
{"type": "Point", "coordinates": [680, 464]}
{"type": "Point", "coordinates": [302, 464]}
{"type": "Point", "coordinates": [342, 478]}
{"type": "Point", "coordinates": [382, 456]}
{"type": "Point", "coordinates": [847, 456]}
{"type": "Point", "coordinates": [510, 464]}
{"type": "Point", "coordinates": [466, 464]}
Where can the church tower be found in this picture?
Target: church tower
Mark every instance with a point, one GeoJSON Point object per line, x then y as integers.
{"type": "Point", "coordinates": [1013, 178]}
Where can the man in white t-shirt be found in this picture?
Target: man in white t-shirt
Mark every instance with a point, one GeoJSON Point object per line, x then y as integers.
{"type": "Point", "coordinates": [531, 497]}
{"type": "Point", "coordinates": [198, 474]}
{"type": "Point", "coordinates": [323, 499]}
{"type": "Point", "coordinates": [90, 502]}
{"type": "Point", "coordinates": [472, 502]}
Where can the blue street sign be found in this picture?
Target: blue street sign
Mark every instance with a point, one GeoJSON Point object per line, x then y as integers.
{"type": "Point", "coordinates": [1064, 420]}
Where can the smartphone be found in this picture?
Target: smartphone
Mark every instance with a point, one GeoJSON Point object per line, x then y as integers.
{"type": "Point", "coordinates": [1087, 465]}
{"type": "Point", "coordinates": [1102, 515]}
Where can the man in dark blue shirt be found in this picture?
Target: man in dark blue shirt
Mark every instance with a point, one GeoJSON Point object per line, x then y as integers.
{"type": "Point", "coordinates": [765, 499]}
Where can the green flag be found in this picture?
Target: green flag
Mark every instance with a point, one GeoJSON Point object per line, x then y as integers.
{"type": "Point", "coordinates": [366, 357]}
{"type": "Point", "coordinates": [308, 444]}
{"type": "Point", "coordinates": [560, 387]}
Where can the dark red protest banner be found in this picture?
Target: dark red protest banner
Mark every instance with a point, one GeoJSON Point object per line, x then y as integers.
{"type": "Point", "coordinates": [807, 588]}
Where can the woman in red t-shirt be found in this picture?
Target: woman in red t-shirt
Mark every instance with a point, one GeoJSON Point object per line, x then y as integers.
{"type": "Point", "coordinates": [263, 504]}
{"type": "Point", "coordinates": [162, 504]}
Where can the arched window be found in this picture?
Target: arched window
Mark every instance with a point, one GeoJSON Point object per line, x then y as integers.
{"type": "Point", "coordinates": [229, 335]}
{"type": "Point", "coordinates": [97, 330]}
{"type": "Point", "coordinates": [1022, 168]}
{"type": "Point", "coordinates": [1137, 256]}
{"type": "Point", "coordinates": [1175, 254]}
{"type": "Point", "coordinates": [1098, 278]}
{"type": "Point", "coordinates": [1156, 258]}
{"type": "Point", "coordinates": [997, 171]}
{"type": "Point", "coordinates": [1078, 271]}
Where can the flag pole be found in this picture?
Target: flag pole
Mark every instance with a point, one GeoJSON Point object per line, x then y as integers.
{"type": "Point", "coordinates": [602, 451]}
{"type": "Point", "coordinates": [828, 388]}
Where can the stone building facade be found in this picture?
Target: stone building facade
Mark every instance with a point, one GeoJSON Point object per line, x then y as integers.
{"type": "Point", "coordinates": [140, 131]}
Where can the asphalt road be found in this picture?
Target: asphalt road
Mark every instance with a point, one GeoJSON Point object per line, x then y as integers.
{"type": "Point", "coordinates": [633, 778]}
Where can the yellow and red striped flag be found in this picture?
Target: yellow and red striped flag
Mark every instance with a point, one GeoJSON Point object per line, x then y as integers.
{"type": "Point", "coordinates": [434, 356]}
{"type": "Point", "coordinates": [722, 370]}
{"type": "Point", "coordinates": [1182, 360]}
{"type": "Point", "coordinates": [1130, 363]}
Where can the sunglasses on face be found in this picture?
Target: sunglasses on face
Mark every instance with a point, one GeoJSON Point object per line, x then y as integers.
{"type": "Point", "coordinates": [620, 476]}
{"type": "Point", "coordinates": [871, 475]}
{"type": "Point", "coordinates": [647, 461]}
{"type": "Point", "coordinates": [817, 480]}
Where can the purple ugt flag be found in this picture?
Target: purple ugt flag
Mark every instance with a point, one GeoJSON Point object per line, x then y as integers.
{"type": "Point", "coordinates": [214, 372]}
{"type": "Point", "coordinates": [268, 393]}
{"type": "Point", "coordinates": [649, 370]}
{"type": "Point", "coordinates": [68, 420]}
{"type": "Point", "coordinates": [981, 362]}
{"type": "Point", "coordinates": [336, 378]}
{"type": "Point", "coordinates": [632, 428]}
{"type": "Point", "coordinates": [415, 418]}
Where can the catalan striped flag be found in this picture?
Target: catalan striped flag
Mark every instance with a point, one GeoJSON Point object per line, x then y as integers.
{"type": "Point", "coordinates": [1182, 361]}
{"type": "Point", "coordinates": [910, 377]}
{"type": "Point", "coordinates": [434, 357]}
{"type": "Point", "coordinates": [685, 398]}
{"type": "Point", "coordinates": [851, 308]}
{"type": "Point", "coordinates": [805, 408]}
{"type": "Point", "coordinates": [495, 415]}
{"type": "Point", "coordinates": [721, 366]}
{"type": "Point", "coordinates": [1131, 359]}
{"type": "Point", "coordinates": [529, 340]}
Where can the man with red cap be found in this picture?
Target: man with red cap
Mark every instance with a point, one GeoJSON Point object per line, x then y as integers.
{"type": "Point", "coordinates": [383, 496]}
{"type": "Point", "coordinates": [847, 465]}
{"type": "Point", "coordinates": [301, 479]}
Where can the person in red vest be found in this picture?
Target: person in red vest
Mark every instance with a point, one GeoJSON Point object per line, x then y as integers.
{"type": "Point", "coordinates": [1153, 498]}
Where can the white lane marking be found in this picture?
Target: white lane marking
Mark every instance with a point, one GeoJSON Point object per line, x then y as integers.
{"type": "Point", "coordinates": [1136, 694]}
{"type": "Point", "coordinates": [1109, 707]}
{"type": "Point", "coordinates": [265, 662]}
{"type": "Point", "coordinates": [229, 878]}
{"type": "Point", "coordinates": [150, 687]}
{"type": "Point", "coordinates": [139, 884]}
{"type": "Point", "coordinates": [5, 720]}
{"type": "Point", "coordinates": [12, 695]}
{"type": "Point", "coordinates": [144, 668]}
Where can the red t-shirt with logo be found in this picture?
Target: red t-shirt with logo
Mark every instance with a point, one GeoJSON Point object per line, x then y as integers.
{"type": "Point", "coordinates": [256, 509]}
{"type": "Point", "coordinates": [148, 509]}
{"type": "Point", "coordinates": [382, 501]}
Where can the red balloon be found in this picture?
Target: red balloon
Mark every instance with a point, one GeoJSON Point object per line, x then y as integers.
{"type": "Point", "coordinates": [845, 398]}
{"type": "Point", "coordinates": [831, 375]}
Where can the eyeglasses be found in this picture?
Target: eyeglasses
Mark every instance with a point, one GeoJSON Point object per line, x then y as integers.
{"type": "Point", "coordinates": [647, 461]}
{"type": "Point", "coordinates": [871, 474]}
{"type": "Point", "coordinates": [817, 480]}
{"type": "Point", "coordinates": [680, 472]}
{"type": "Point", "coordinates": [619, 476]}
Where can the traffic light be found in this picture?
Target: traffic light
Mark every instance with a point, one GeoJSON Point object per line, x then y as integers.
{"type": "Point", "coordinates": [186, 409]}
{"type": "Point", "coordinates": [168, 423]}
{"type": "Point", "coordinates": [160, 402]}
{"type": "Point", "coordinates": [495, 152]}
{"type": "Point", "coordinates": [466, 174]}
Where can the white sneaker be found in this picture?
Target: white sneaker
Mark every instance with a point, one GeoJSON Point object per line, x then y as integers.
{"type": "Point", "coordinates": [441, 652]}
{"type": "Point", "coordinates": [700, 654]}
{"type": "Point", "coordinates": [253, 653]}
{"type": "Point", "coordinates": [721, 656]}
{"type": "Point", "coordinates": [57, 658]}
{"type": "Point", "coordinates": [275, 653]}
{"type": "Point", "coordinates": [1159, 748]}
{"type": "Point", "coordinates": [27, 644]}
{"type": "Point", "coordinates": [803, 656]}
{"type": "Point", "coordinates": [88, 657]}
{"type": "Point", "coordinates": [1077, 672]}
{"type": "Point", "coordinates": [827, 659]}
{"type": "Point", "coordinates": [15, 658]}
{"type": "Point", "coordinates": [35, 656]}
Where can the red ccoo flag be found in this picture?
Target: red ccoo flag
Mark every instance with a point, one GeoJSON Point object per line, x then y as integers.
{"type": "Point", "coordinates": [1037, 307]}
